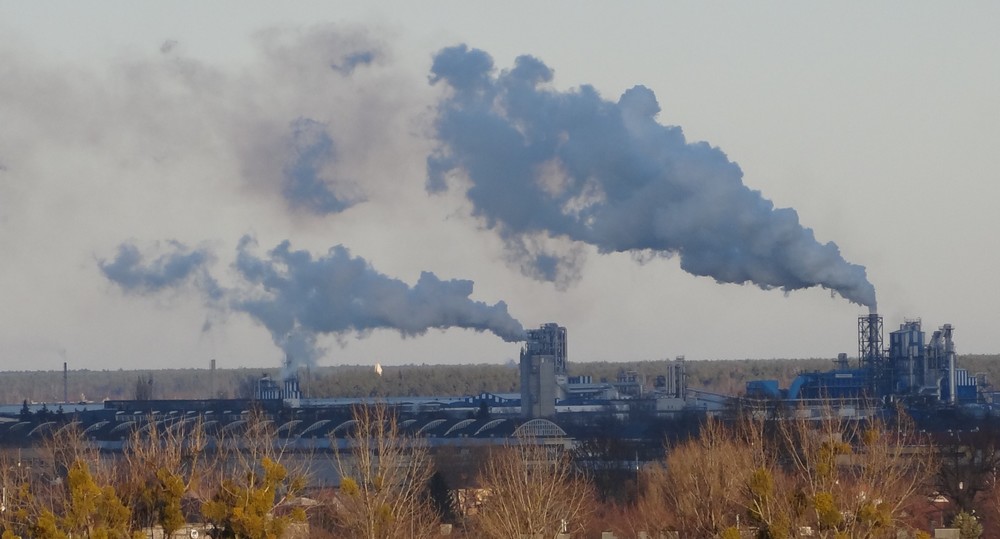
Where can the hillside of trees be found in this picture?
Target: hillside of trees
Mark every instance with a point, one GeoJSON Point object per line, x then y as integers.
{"type": "Point", "coordinates": [719, 376]}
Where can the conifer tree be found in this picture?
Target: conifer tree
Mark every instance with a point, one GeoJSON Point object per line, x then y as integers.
{"type": "Point", "coordinates": [253, 488]}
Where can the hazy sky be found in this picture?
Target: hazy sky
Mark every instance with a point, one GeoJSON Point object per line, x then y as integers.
{"type": "Point", "coordinates": [184, 127]}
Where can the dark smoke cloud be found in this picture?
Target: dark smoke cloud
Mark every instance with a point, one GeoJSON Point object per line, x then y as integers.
{"type": "Point", "coordinates": [545, 163]}
{"type": "Point", "coordinates": [296, 126]}
{"type": "Point", "coordinates": [138, 274]}
{"type": "Point", "coordinates": [168, 46]}
{"type": "Point", "coordinates": [311, 152]}
{"type": "Point", "coordinates": [299, 298]}
{"type": "Point", "coordinates": [353, 60]}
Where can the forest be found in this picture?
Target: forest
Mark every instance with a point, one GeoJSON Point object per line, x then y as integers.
{"type": "Point", "coordinates": [727, 377]}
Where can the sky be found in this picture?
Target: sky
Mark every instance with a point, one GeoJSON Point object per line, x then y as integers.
{"type": "Point", "coordinates": [401, 182]}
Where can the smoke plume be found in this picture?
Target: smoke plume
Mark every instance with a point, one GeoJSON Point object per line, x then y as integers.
{"type": "Point", "coordinates": [542, 163]}
{"type": "Point", "coordinates": [304, 184]}
{"type": "Point", "coordinates": [137, 273]}
{"type": "Point", "coordinates": [299, 298]}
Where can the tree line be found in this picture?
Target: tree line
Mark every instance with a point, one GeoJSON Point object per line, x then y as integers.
{"type": "Point", "coordinates": [746, 476]}
{"type": "Point", "coordinates": [720, 376]}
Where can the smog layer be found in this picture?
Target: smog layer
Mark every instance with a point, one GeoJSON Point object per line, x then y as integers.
{"type": "Point", "coordinates": [569, 166]}
{"type": "Point", "coordinates": [355, 193]}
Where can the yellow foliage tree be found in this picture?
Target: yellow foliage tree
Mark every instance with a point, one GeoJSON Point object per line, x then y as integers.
{"type": "Point", "coordinates": [817, 471]}
{"type": "Point", "coordinates": [253, 488]}
{"type": "Point", "coordinates": [90, 510]}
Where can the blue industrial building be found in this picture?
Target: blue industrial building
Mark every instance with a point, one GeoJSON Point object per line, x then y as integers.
{"type": "Point", "coordinates": [910, 370]}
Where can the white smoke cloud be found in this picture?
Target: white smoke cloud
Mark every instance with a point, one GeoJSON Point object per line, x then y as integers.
{"type": "Point", "coordinates": [541, 163]}
{"type": "Point", "coordinates": [300, 298]}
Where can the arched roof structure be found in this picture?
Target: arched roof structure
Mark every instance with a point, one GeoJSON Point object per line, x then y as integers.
{"type": "Point", "coordinates": [539, 428]}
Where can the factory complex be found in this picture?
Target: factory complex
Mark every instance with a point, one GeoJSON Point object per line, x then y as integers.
{"type": "Point", "coordinates": [556, 407]}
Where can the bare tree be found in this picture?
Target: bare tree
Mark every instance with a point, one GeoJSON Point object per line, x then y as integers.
{"type": "Point", "coordinates": [612, 466]}
{"type": "Point", "coordinates": [837, 477]}
{"type": "Point", "coordinates": [143, 389]}
{"type": "Point", "coordinates": [854, 476]}
{"type": "Point", "coordinates": [384, 480]}
{"type": "Point", "coordinates": [532, 489]}
{"type": "Point", "coordinates": [970, 460]}
{"type": "Point", "coordinates": [160, 463]}
{"type": "Point", "coordinates": [21, 504]}
{"type": "Point", "coordinates": [698, 489]}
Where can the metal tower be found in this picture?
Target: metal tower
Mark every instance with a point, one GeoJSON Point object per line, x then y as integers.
{"type": "Point", "coordinates": [871, 354]}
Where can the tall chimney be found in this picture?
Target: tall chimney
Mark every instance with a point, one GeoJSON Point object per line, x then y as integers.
{"type": "Point", "coordinates": [949, 354]}
{"type": "Point", "coordinates": [211, 379]}
{"type": "Point", "coordinates": [870, 341]}
{"type": "Point", "coordinates": [65, 383]}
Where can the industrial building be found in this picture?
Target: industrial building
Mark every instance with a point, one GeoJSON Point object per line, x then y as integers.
{"type": "Point", "coordinates": [553, 404]}
{"type": "Point", "coordinates": [548, 391]}
{"type": "Point", "coordinates": [543, 362]}
{"type": "Point", "coordinates": [910, 371]}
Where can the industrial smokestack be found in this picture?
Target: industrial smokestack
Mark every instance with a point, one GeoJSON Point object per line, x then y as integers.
{"type": "Point", "coordinates": [65, 383]}
{"type": "Point", "coordinates": [949, 354]}
{"type": "Point", "coordinates": [871, 353]}
{"type": "Point", "coordinates": [870, 343]}
{"type": "Point", "coordinates": [875, 334]}
{"type": "Point", "coordinates": [211, 379]}
{"type": "Point", "coordinates": [541, 163]}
